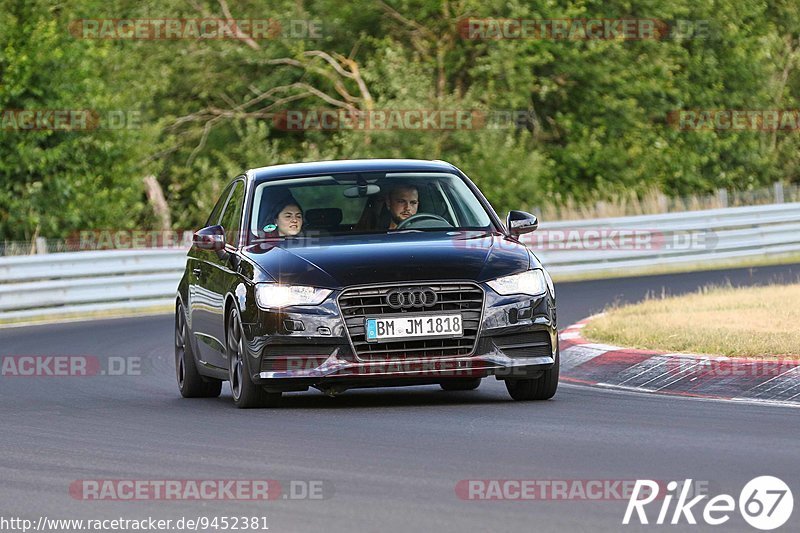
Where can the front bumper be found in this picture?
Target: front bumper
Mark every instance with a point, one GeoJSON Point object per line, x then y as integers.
{"type": "Point", "coordinates": [518, 338]}
{"type": "Point", "coordinates": [462, 367]}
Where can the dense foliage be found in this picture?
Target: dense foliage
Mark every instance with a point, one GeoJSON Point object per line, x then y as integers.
{"type": "Point", "coordinates": [205, 109]}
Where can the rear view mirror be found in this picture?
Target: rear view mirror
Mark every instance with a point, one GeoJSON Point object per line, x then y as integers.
{"type": "Point", "coordinates": [520, 222]}
{"type": "Point", "coordinates": [362, 190]}
{"type": "Point", "coordinates": [210, 238]}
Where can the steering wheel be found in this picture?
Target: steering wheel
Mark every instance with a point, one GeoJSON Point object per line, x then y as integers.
{"type": "Point", "coordinates": [413, 220]}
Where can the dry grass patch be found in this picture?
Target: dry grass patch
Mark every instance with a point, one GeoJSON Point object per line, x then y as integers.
{"type": "Point", "coordinates": [741, 322]}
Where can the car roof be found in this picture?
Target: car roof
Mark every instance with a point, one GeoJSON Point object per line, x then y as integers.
{"type": "Point", "coordinates": [317, 168]}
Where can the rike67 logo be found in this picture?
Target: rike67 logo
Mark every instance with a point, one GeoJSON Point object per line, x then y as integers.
{"type": "Point", "coordinates": [765, 503]}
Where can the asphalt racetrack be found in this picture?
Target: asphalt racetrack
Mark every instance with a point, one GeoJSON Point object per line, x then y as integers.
{"type": "Point", "coordinates": [376, 460]}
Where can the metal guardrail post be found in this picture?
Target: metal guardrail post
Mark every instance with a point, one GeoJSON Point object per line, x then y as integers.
{"type": "Point", "coordinates": [778, 192]}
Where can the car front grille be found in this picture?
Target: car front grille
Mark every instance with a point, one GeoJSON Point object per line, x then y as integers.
{"type": "Point", "coordinates": [359, 303]}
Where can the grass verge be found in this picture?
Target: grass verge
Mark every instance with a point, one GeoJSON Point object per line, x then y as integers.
{"type": "Point", "coordinates": [736, 322]}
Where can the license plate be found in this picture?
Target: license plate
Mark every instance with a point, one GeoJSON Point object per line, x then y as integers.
{"type": "Point", "coordinates": [413, 327]}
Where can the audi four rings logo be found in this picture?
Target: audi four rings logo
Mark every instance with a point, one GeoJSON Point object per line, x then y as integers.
{"type": "Point", "coordinates": [409, 298]}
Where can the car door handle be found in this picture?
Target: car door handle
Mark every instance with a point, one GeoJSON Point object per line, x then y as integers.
{"type": "Point", "coordinates": [197, 272]}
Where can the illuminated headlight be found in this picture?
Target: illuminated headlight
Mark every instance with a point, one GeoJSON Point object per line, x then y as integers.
{"type": "Point", "coordinates": [532, 282]}
{"type": "Point", "coordinates": [271, 295]}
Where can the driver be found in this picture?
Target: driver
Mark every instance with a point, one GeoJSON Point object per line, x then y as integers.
{"type": "Point", "coordinates": [402, 202]}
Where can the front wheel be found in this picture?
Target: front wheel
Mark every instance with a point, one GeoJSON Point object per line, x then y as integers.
{"type": "Point", "coordinates": [190, 382]}
{"type": "Point", "coordinates": [246, 394]}
{"type": "Point", "coordinates": [541, 388]}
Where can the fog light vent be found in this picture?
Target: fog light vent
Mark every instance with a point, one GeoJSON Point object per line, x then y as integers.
{"type": "Point", "coordinates": [293, 325]}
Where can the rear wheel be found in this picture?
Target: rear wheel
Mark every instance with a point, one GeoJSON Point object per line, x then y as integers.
{"type": "Point", "coordinates": [541, 388]}
{"type": "Point", "coordinates": [190, 382]}
{"type": "Point", "coordinates": [246, 394]}
{"type": "Point", "coordinates": [460, 384]}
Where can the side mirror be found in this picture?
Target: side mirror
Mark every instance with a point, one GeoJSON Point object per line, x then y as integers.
{"type": "Point", "coordinates": [519, 222]}
{"type": "Point", "coordinates": [210, 238]}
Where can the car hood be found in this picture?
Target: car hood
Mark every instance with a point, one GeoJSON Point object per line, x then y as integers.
{"type": "Point", "coordinates": [338, 262]}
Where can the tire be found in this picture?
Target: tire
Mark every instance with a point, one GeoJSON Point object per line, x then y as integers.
{"type": "Point", "coordinates": [541, 388]}
{"type": "Point", "coordinates": [190, 383]}
{"type": "Point", "coordinates": [246, 394]}
{"type": "Point", "coordinates": [460, 384]}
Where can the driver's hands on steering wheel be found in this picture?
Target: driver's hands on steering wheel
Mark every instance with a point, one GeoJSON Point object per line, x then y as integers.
{"type": "Point", "coordinates": [424, 220]}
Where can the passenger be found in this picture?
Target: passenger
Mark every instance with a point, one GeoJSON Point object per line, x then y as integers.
{"type": "Point", "coordinates": [285, 218]}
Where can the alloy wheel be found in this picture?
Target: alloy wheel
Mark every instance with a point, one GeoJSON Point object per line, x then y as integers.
{"type": "Point", "coordinates": [180, 347]}
{"type": "Point", "coordinates": [235, 354]}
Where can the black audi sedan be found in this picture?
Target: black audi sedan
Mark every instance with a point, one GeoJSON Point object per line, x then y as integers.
{"type": "Point", "coordinates": [362, 273]}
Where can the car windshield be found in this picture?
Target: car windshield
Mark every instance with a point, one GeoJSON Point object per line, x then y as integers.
{"type": "Point", "coordinates": [364, 203]}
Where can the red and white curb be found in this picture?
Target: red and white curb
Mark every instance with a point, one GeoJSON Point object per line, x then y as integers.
{"type": "Point", "coordinates": [775, 380]}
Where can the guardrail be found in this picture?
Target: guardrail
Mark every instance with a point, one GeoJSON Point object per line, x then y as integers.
{"type": "Point", "coordinates": [690, 238]}
{"type": "Point", "coordinates": [97, 281]}
{"type": "Point", "coordinates": [80, 282]}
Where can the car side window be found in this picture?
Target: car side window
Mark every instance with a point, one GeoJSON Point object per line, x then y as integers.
{"type": "Point", "coordinates": [213, 218]}
{"type": "Point", "coordinates": [232, 217]}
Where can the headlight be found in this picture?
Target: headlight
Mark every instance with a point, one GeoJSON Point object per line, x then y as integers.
{"type": "Point", "coordinates": [532, 282]}
{"type": "Point", "coordinates": [271, 295]}
{"type": "Point", "coordinates": [549, 283]}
